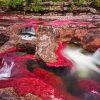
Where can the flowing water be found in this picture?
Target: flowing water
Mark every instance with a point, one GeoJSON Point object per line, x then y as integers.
{"type": "Point", "coordinates": [85, 66]}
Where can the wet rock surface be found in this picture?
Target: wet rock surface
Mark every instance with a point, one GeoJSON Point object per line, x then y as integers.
{"type": "Point", "coordinates": [90, 96]}
{"type": "Point", "coordinates": [81, 30]}
{"type": "Point", "coordinates": [91, 41]}
{"type": "Point", "coordinates": [10, 94]}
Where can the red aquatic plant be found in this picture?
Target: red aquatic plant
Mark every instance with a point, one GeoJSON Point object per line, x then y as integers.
{"type": "Point", "coordinates": [39, 82]}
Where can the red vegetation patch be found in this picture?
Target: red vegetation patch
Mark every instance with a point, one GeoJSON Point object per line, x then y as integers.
{"type": "Point", "coordinates": [61, 60]}
{"type": "Point", "coordinates": [89, 85]}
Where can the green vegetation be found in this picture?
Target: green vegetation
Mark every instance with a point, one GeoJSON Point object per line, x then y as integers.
{"type": "Point", "coordinates": [12, 3]}
{"type": "Point", "coordinates": [95, 3]}
{"type": "Point", "coordinates": [35, 5]}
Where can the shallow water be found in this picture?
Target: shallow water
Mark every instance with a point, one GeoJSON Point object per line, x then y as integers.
{"type": "Point", "coordinates": [20, 64]}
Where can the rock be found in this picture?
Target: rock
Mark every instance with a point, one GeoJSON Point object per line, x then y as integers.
{"type": "Point", "coordinates": [47, 44]}
{"type": "Point", "coordinates": [8, 94]}
{"type": "Point", "coordinates": [3, 39]}
{"type": "Point", "coordinates": [30, 96]}
{"type": "Point", "coordinates": [91, 41]}
{"type": "Point", "coordinates": [90, 96]}
{"type": "Point", "coordinates": [92, 10]}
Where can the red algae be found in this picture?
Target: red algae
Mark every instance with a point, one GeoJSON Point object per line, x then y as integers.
{"type": "Point", "coordinates": [61, 60]}
{"type": "Point", "coordinates": [39, 81]}
{"type": "Point", "coordinates": [44, 75]}
{"type": "Point", "coordinates": [89, 85]}
{"type": "Point", "coordinates": [35, 86]}
{"type": "Point", "coordinates": [60, 23]}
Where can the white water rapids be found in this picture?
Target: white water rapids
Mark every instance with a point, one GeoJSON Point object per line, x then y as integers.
{"type": "Point", "coordinates": [83, 63]}
{"type": "Point", "coordinates": [6, 66]}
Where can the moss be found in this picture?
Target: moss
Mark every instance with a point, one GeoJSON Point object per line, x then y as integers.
{"type": "Point", "coordinates": [95, 3]}
{"type": "Point", "coordinates": [12, 3]}
{"type": "Point", "coordinates": [57, 0]}
{"type": "Point", "coordinates": [37, 8]}
{"type": "Point", "coordinates": [80, 2]}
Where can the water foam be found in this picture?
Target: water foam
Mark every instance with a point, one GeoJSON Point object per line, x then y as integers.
{"type": "Point", "coordinates": [83, 62]}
